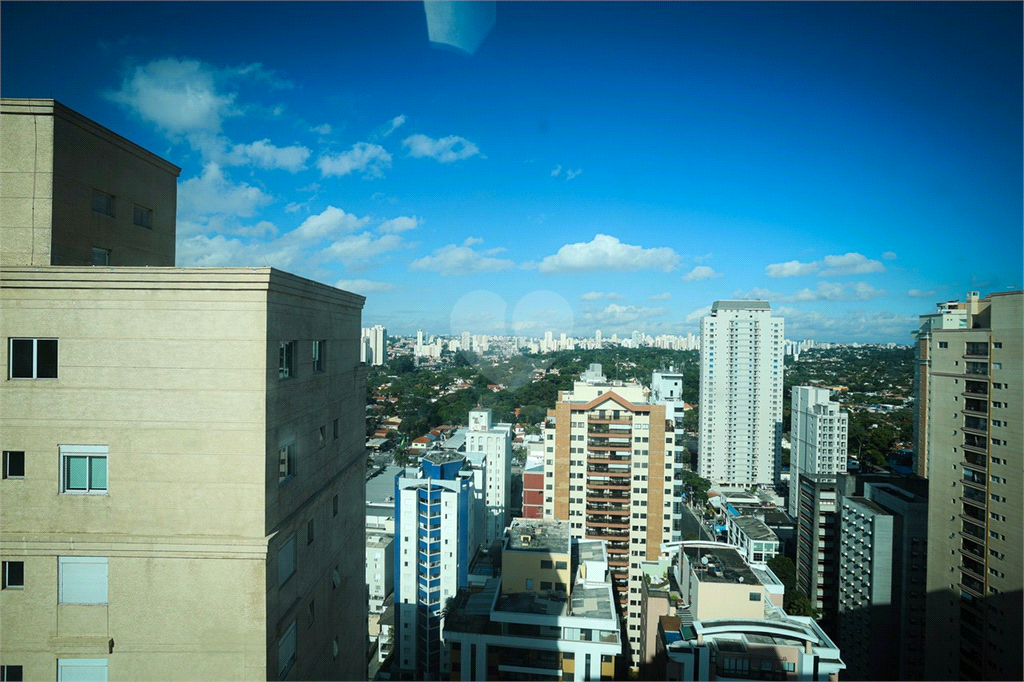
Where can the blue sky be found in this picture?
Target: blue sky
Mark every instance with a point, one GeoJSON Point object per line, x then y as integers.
{"type": "Point", "coordinates": [589, 166]}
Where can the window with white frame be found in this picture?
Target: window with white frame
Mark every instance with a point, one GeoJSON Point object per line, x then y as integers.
{"type": "Point", "coordinates": [286, 360]}
{"type": "Point", "coordinates": [318, 355]}
{"type": "Point", "coordinates": [100, 256]}
{"type": "Point", "coordinates": [14, 673]}
{"type": "Point", "coordinates": [82, 579]}
{"type": "Point", "coordinates": [143, 217]}
{"type": "Point", "coordinates": [32, 359]}
{"type": "Point", "coordinates": [286, 652]}
{"type": "Point", "coordinates": [103, 203]}
{"type": "Point", "coordinates": [83, 469]}
{"type": "Point", "coordinates": [286, 459]}
{"type": "Point", "coordinates": [286, 560]}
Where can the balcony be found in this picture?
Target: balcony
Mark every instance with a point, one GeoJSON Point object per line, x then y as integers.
{"type": "Point", "coordinates": [607, 510]}
{"type": "Point", "coordinates": [973, 549]}
{"type": "Point", "coordinates": [975, 460]}
{"type": "Point", "coordinates": [608, 522]}
{"type": "Point", "coordinates": [974, 496]}
{"type": "Point", "coordinates": [976, 442]}
{"type": "Point", "coordinates": [608, 484]}
{"type": "Point", "coordinates": [604, 457]}
{"type": "Point", "coordinates": [976, 349]}
{"type": "Point", "coordinates": [605, 533]}
{"type": "Point", "coordinates": [975, 389]}
{"type": "Point", "coordinates": [977, 368]}
{"type": "Point", "coordinates": [976, 425]}
{"type": "Point", "coordinates": [972, 532]}
{"type": "Point", "coordinates": [603, 417]}
{"type": "Point", "coordinates": [974, 477]}
{"type": "Point", "coordinates": [595, 496]}
{"type": "Point", "coordinates": [605, 470]}
{"type": "Point", "coordinates": [602, 444]}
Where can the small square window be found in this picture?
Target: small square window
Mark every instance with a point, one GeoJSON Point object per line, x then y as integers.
{"type": "Point", "coordinates": [14, 464]}
{"type": "Point", "coordinates": [286, 360]}
{"type": "Point", "coordinates": [103, 203]}
{"type": "Point", "coordinates": [14, 575]}
{"type": "Point", "coordinates": [83, 469]}
{"type": "Point", "coordinates": [143, 217]}
{"type": "Point", "coordinates": [943, 344]}
{"type": "Point", "coordinates": [100, 256]}
{"type": "Point", "coordinates": [32, 359]}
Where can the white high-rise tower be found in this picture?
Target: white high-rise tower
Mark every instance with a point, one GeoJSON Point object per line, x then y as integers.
{"type": "Point", "coordinates": [741, 394]}
{"type": "Point", "coordinates": [818, 435]}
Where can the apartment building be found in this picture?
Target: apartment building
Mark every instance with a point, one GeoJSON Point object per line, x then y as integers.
{"type": "Point", "coordinates": [741, 371]}
{"type": "Point", "coordinates": [495, 441]}
{"type": "Point", "coordinates": [550, 615]}
{"type": "Point", "coordinates": [733, 627]}
{"type": "Point", "coordinates": [883, 535]}
{"type": "Point", "coordinates": [181, 446]}
{"type": "Point", "coordinates": [374, 345]}
{"type": "Point", "coordinates": [974, 455]}
{"type": "Point", "coordinates": [609, 472]}
{"type": "Point", "coordinates": [436, 532]}
{"type": "Point", "coordinates": [818, 435]}
{"type": "Point", "coordinates": [816, 544]}
{"type": "Point", "coordinates": [752, 538]}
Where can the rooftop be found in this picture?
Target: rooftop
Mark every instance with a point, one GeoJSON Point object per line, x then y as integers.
{"type": "Point", "coordinates": [755, 528]}
{"type": "Point", "coordinates": [443, 456]}
{"type": "Point", "coordinates": [538, 536]}
{"type": "Point", "coordinates": [723, 565]}
{"type": "Point", "coordinates": [740, 305]}
{"type": "Point", "coordinates": [380, 488]}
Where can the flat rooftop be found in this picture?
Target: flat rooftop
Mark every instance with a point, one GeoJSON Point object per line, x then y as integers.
{"type": "Point", "coordinates": [376, 539]}
{"type": "Point", "coordinates": [443, 456]}
{"type": "Point", "coordinates": [532, 535]}
{"type": "Point", "coordinates": [724, 565]}
{"type": "Point", "coordinates": [586, 601]}
{"type": "Point", "coordinates": [380, 488]}
{"type": "Point", "coordinates": [755, 528]}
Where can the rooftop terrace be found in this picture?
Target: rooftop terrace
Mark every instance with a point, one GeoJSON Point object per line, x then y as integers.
{"type": "Point", "coordinates": [538, 536]}
{"type": "Point", "coordinates": [723, 565]}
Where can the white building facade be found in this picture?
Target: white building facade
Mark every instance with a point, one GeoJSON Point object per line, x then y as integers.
{"type": "Point", "coordinates": [741, 394]}
{"type": "Point", "coordinates": [495, 441]}
{"type": "Point", "coordinates": [374, 346]}
{"type": "Point", "coordinates": [818, 435]}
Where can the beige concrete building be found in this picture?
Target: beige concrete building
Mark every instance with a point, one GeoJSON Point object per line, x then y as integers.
{"type": "Point", "coordinates": [182, 447]}
{"type": "Point", "coordinates": [610, 472]}
{"type": "Point", "coordinates": [75, 193]}
{"type": "Point", "coordinates": [975, 438]}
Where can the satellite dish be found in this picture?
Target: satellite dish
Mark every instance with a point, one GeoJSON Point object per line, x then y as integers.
{"type": "Point", "coordinates": [704, 560]}
{"type": "Point", "coordinates": [741, 578]}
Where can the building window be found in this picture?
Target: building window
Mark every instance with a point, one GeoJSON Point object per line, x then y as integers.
{"type": "Point", "coordinates": [14, 575]}
{"type": "Point", "coordinates": [561, 565]}
{"type": "Point", "coordinates": [81, 669]}
{"type": "Point", "coordinates": [83, 469]}
{"type": "Point", "coordinates": [12, 673]}
{"type": "Point", "coordinates": [286, 458]}
{"type": "Point", "coordinates": [545, 585]}
{"type": "Point", "coordinates": [286, 561]}
{"type": "Point", "coordinates": [943, 344]}
{"type": "Point", "coordinates": [143, 217]}
{"type": "Point", "coordinates": [334, 506]}
{"type": "Point", "coordinates": [318, 355]}
{"type": "Point", "coordinates": [545, 563]}
{"type": "Point", "coordinates": [755, 596]}
{"type": "Point", "coordinates": [323, 435]}
{"type": "Point", "coordinates": [103, 203]}
{"type": "Point", "coordinates": [33, 359]}
{"type": "Point", "coordinates": [309, 532]}
{"type": "Point", "coordinates": [14, 464]}
{"type": "Point", "coordinates": [100, 256]}
{"type": "Point", "coordinates": [286, 652]}
{"type": "Point", "coordinates": [312, 611]}
{"type": "Point", "coordinates": [335, 429]}
{"type": "Point", "coordinates": [82, 579]}
{"type": "Point", "coordinates": [286, 360]}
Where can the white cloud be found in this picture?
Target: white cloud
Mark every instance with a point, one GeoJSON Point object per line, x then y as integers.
{"type": "Point", "coordinates": [701, 259]}
{"type": "Point", "coordinates": [660, 297]}
{"type": "Point", "coordinates": [854, 326]}
{"type": "Point", "coordinates": [445, 149]}
{"type": "Point", "coordinates": [889, 255]}
{"type": "Point", "coordinates": [829, 266]}
{"type": "Point", "coordinates": [364, 286]}
{"type": "Point", "coordinates": [263, 154]}
{"type": "Point", "coordinates": [555, 171]}
{"type": "Point", "coordinates": [570, 174]}
{"type": "Point", "coordinates": [920, 293]}
{"type": "Point", "coordinates": [793, 268]}
{"type": "Point", "coordinates": [178, 96]}
{"type": "Point", "coordinates": [460, 260]}
{"type": "Point", "coordinates": [213, 193]}
{"type": "Point", "coordinates": [695, 315]}
{"type": "Point", "coordinates": [850, 264]}
{"type": "Point", "coordinates": [701, 272]}
{"type": "Point", "coordinates": [393, 125]}
{"type": "Point", "coordinates": [361, 251]}
{"type": "Point", "coordinates": [399, 224]}
{"type": "Point", "coordinates": [470, 241]}
{"type": "Point", "coordinates": [363, 157]}
{"type": "Point", "coordinates": [329, 223]}
{"type": "Point", "coordinates": [825, 291]}
{"type": "Point", "coordinates": [615, 314]}
{"type": "Point", "coordinates": [322, 129]}
{"type": "Point", "coordinates": [596, 295]}
{"type": "Point", "coordinates": [607, 253]}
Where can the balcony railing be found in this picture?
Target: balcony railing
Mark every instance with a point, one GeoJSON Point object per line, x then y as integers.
{"type": "Point", "coordinates": [605, 456]}
{"type": "Point", "coordinates": [607, 471]}
{"type": "Point", "coordinates": [975, 460]}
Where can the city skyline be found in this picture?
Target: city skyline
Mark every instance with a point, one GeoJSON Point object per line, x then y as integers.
{"type": "Point", "coordinates": [579, 170]}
